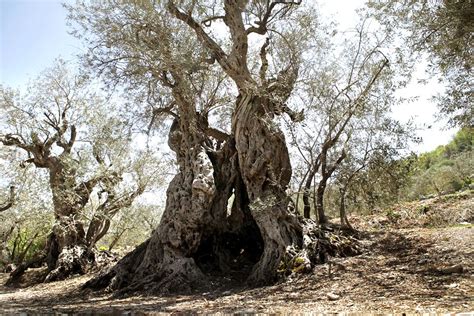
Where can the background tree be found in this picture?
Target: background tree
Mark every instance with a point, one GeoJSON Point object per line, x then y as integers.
{"type": "Point", "coordinates": [446, 169]}
{"type": "Point", "coordinates": [444, 30]}
{"type": "Point", "coordinates": [51, 126]}
{"type": "Point", "coordinates": [350, 92]}
{"type": "Point", "coordinates": [376, 147]}
{"type": "Point", "coordinates": [25, 226]}
{"type": "Point", "coordinates": [9, 202]}
{"type": "Point", "coordinates": [171, 51]}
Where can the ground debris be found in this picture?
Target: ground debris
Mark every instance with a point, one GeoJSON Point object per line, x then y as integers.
{"type": "Point", "coordinates": [386, 278]}
{"type": "Point", "coordinates": [333, 297]}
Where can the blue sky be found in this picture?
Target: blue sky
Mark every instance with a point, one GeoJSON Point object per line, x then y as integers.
{"type": "Point", "coordinates": [32, 34]}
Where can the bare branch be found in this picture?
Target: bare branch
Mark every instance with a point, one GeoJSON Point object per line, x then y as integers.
{"type": "Point", "coordinates": [207, 22]}
{"type": "Point", "coordinates": [264, 59]}
{"type": "Point", "coordinates": [267, 16]}
{"type": "Point", "coordinates": [10, 201]}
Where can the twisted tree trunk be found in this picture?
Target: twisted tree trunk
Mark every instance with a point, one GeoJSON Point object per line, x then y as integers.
{"type": "Point", "coordinates": [200, 234]}
{"type": "Point", "coordinates": [186, 242]}
{"type": "Point", "coordinates": [66, 249]}
{"type": "Point", "coordinates": [266, 171]}
{"type": "Point", "coordinates": [257, 237]}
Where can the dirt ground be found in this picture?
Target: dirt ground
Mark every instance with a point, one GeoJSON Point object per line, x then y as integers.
{"type": "Point", "coordinates": [402, 271]}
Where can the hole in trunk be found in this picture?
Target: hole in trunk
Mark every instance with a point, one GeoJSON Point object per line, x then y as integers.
{"type": "Point", "coordinates": [231, 253]}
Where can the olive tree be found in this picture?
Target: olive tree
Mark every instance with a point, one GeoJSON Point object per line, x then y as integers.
{"type": "Point", "coordinates": [187, 59]}
{"type": "Point", "coordinates": [61, 125]}
{"type": "Point", "coordinates": [350, 88]}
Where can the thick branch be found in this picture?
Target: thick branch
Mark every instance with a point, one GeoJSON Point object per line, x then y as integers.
{"type": "Point", "coordinates": [234, 65]}
{"type": "Point", "coordinates": [217, 134]}
{"type": "Point", "coordinates": [203, 37]}
{"type": "Point", "coordinates": [10, 140]}
{"type": "Point", "coordinates": [264, 59]}
{"type": "Point", "coordinates": [10, 201]}
{"type": "Point", "coordinates": [233, 19]}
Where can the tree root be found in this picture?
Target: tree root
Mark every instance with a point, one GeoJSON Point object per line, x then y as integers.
{"type": "Point", "coordinates": [72, 260]}
{"type": "Point", "coordinates": [130, 275]}
{"type": "Point", "coordinates": [16, 274]}
{"type": "Point", "coordinates": [319, 243]}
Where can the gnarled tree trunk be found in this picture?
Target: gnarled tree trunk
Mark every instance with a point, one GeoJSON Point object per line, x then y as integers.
{"type": "Point", "coordinates": [66, 249]}
{"type": "Point", "coordinates": [266, 171]}
{"type": "Point", "coordinates": [200, 234]}
{"type": "Point", "coordinates": [195, 231]}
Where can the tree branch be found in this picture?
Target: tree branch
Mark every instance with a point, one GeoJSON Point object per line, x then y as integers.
{"type": "Point", "coordinates": [263, 22]}
{"type": "Point", "coordinates": [10, 201]}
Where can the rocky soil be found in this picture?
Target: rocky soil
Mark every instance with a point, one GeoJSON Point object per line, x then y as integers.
{"type": "Point", "coordinates": [402, 270]}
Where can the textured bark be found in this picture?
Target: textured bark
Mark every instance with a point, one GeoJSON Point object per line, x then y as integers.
{"type": "Point", "coordinates": [68, 231]}
{"type": "Point", "coordinates": [342, 210]}
{"type": "Point", "coordinates": [320, 213]}
{"type": "Point", "coordinates": [199, 233]}
{"type": "Point", "coordinates": [308, 180]}
{"type": "Point", "coordinates": [326, 173]}
{"type": "Point", "coordinates": [266, 171]}
{"type": "Point", "coordinates": [256, 239]}
{"type": "Point", "coordinates": [196, 210]}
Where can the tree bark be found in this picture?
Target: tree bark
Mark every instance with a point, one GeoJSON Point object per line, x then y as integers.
{"type": "Point", "coordinates": [321, 215]}
{"type": "Point", "coordinates": [197, 236]}
{"type": "Point", "coordinates": [342, 210]}
{"type": "Point", "coordinates": [196, 207]}
{"type": "Point", "coordinates": [265, 166]}
{"type": "Point", "coordinates": [307, 190]}
{"type": "Point", "coordinates": [66, 250]}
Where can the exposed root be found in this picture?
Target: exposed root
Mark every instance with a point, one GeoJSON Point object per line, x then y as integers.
{"type": "Point", "coordinates": [117, 277]}
{"type": "Point", "coordinates": [319, 243]}
{"type": "Point", "coordinates": [16, 274]}
{"type": "Point", "coordinates": [72, 260]}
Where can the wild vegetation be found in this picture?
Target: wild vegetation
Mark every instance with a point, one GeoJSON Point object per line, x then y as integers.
{"type": "Point", "coordinates": [271, 132]}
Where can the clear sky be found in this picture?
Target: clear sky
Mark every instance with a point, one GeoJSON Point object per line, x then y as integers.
{"type": "Point", "coordinates": [422, 111]}
{"type": "Point", "coordinates": [33, 33]}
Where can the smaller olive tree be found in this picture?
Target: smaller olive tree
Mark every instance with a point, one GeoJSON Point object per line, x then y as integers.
{"type": "Point", "coordinates": [67, 128]}
{"type": "Point", "coordinates": [352, 86]}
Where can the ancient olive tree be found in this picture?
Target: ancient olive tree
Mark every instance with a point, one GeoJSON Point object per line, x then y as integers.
{"type": "Point", "coordinates": [60, 125]}
{"type": "Point", "coordinates": [188, 58]}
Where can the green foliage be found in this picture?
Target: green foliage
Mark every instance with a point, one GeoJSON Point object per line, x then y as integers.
{"type": "Point", "coordinates": [443, 30]}
{"type": "Point", "coordinates": [446, 169]}
{"type": "Point", "coordinates": [393, 216]}
{"type": "Point", "coordinates": [26, 242]}
{"type": "Point", "coordinates": [386, 181]}
{"type": "Point", "coordinates": [131, 227]}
